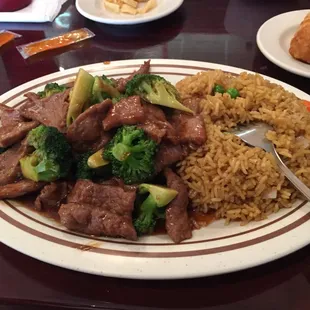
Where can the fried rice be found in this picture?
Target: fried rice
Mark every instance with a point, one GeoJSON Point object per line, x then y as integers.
{"type": "Point", "coordinates": [240, 182]}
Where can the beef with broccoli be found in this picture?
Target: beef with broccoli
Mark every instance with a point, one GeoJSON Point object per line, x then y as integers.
{"type": "Point", "coordinates": [100, 153]}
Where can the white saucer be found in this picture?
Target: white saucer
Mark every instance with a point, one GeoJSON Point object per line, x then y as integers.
{"type": "Point", "coordinates": [274, 37]}
{"type": "Point", "coordinates": [95, 10]}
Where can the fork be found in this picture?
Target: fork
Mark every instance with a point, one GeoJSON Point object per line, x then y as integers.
{"type": "Point", "coordinates": [254, 134]}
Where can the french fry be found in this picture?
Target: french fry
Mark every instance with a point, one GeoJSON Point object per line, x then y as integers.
{"type": "Point", "coordinates": [131, 3]}
{"type": "Point", "coordinates": [141, 10]}
{"type": "Point", "coordinates": [113, 7]}
{"type": "Point", "coordinates": [128, 9]}
{"type": "Point", "coordinates": [150, 5]}
{"type": "Point", "coordinates": [119, 2]}
{"type": "Point", "coordinates": [132, 7]}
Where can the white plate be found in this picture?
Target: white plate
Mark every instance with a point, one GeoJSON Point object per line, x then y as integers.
{"type": "Point", "coordinates": [95, 10]}
{"type": "Point", "coordinates": [274, 37]}
{"type": "Point", "coordinates": [213, 250]}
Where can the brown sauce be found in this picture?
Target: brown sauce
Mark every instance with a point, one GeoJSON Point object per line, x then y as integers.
{"type": "Point", "coordinates": [90, 245]}
{"type": "Point", "coordinates": [160, 228]}
{"type": "Point", "coordinates": [197, 218]}
{"type": "Point", "coordinates": [200, 219]}
{"type": "Point", "coordinates": [28, 202]}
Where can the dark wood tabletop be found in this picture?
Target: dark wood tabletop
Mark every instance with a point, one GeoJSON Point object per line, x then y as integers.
{"type": "Point", "coordinates": [219, 31]}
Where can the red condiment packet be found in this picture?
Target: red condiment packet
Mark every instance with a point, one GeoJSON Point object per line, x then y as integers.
{"type": "Point", "coordinates": [7, 36]}
{"type": "Point", "coordinates": [72, 37]}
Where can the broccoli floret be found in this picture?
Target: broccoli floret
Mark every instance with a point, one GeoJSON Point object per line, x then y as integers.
{"type": "Point", "coordinates": [103, 88]}
{"type": "Point", "coordinates": [50, 89]}
{"type": "Point", "coordinates": [90, 165]}
{"type": "Point", "coordinates": [3, 149]}
{"type": "Point", "coordinates": [152, 207]}
{"type": "Point", "coordinates": [97, 94]}
{"type": "Point", "coordinates": [131, 154]}
{"type": "Point", "coordinates": [156, 90]}
{"type": "Point", "coordinates": [83, 171]}
{"type": "Point", "coordinates": [51, 158]}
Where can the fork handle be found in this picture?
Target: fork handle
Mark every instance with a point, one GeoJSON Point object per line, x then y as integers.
{"type": "Point", "coordinates": [299, 185]}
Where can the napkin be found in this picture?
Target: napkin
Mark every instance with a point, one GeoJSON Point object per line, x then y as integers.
{"type": "Point", "coordinates": [37, 12]}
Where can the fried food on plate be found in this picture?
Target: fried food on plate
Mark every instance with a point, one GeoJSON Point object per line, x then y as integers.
{"type": "Point", "coordinates": [300, 44]}
{"type": "Point", "coordinates": [131, 7]}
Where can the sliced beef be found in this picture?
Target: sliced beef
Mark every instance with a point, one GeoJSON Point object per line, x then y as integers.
{"type": "Point", "coordinates": [153, 113]}
{"type": "Point", "coordinates": [188, 129]}
{"type": "Point", "coordinates": [167, 155]}
{"type": "Point", "coordinates": [108, 197]}
{"type": "Point", "coordinates": [128, 111]}
{"type": "Point", "coordinates": [177, 220]}
{"type": "Point", "coordinates": [52, 196]}
{"type": "Point", "coordinates": [121, 83]}
{"type": "Point", "coordinates": [32, 96]}
{"type": "Point", "coordinates": [9, 163]}
{"type": "Point", "coordinates": [19, 188]}
{"type": "Point", "coordinates": [193, 104]}
{"type": "Point", "coordinates": [99, 209]}
{"type": "Point", "coordinates": [154, 131]}
{"type": "Point", "coordinates": [9, 115]}
{"type": "Point", "coordinates": [13, 127]}
{"type": "Point", "coordinates": [86, 132]}
{"type": "Point", "coordinates": [114, 181]}
{"type": "Point", "coordinates": [172, 136]}
{"type": "Point", "coordinates": [155, 123]}
{"type": "Point", "coordinates": [50, 111]}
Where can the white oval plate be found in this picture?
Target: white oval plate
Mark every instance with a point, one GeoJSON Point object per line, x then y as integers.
{"type": "Point", "coordinates": [95, 10]}
{"type": "Point", "coordinates": [213, 250]}
{"type": "Point", "coordinates": [274, 38]}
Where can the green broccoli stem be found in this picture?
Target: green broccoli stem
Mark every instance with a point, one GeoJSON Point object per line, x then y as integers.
{"type": "Point", "coordinates": [147, 215]}
{"type": "Point", "coordinates": [121, 151]}
{"type": "Point", "coordinates": [149, 205]}
{"type": "Point", "coordinates": [146, 87]}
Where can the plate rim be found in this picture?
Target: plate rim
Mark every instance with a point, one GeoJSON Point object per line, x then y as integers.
{"type": "Point", "coordinates": [143, 19]}
{"type": "Point", "coordinates": [269, 55]}
{"type": "Point", "coordinates": [184, 274]}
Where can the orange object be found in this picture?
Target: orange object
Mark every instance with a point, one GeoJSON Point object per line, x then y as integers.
{"type": "Point", "coordinates": [7, 36]}
{"type": "Point", "coordinates": [65, 39]}
{"type": "Point", "coordinates": [307, 104]}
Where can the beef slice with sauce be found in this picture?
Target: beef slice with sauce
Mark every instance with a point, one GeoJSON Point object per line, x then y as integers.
{"type": "Point", "coordinates": [121, 83]}
{"type": "Point", "coordinates": [86, 133]}
{"type": "Point", "coordinates": [99, 209]}
{"type": "Point", "coordinates": [167, 155]}
{"type": "Point", "coordinates": [155, 123]}
{"type": "Point", "coordinates": [10, 170]}
{"type": "Point", "coordinates": [128, 111]}
{"type": "Point", "coordinates": [19, 188]}
{"type": "Point", "coordinates": [13, 127]}
{"type": "Point", "coordinates": [52, 196]}
{"type": "Point", "coordinates": [177, 220]}
{"type": "Point", "coordinates": [50, 111]}
{"type": "Point", "coordinates": [187, 128]}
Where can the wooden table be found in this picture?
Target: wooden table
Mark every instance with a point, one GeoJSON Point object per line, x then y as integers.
{"type": "Point", "coordinates": [219, 31]}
